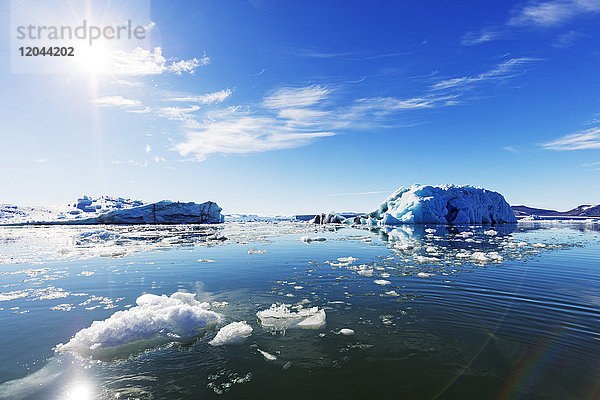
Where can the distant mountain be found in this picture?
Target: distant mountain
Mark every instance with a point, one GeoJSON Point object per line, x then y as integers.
{"type": "Point", "coordinates": [581, 211]}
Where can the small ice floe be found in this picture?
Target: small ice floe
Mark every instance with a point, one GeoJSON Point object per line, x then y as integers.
{"type": "Point", "coordinates": [430, 230]}
{"type": "Point", "coordinates": [282, 317]}
{"type": "Point", "coordinates": [382, 282]}
{"type": "Point", "coordinates": [392, 293]}
{"type": "Point", "coordinates": [423, 259]}
{"type": "Point", "coordinates": [267, 356]}
{"type": "Point", "coordinates": [479, 256]}
{"type": "Point", "coordinates": [86, 273]}
{"type": "Point", "coordinates": [216, 236]}
{"type": "Point", "coordinates": [347, 259]}
{"type": "Point", "coordinates": [233, 333]}
{"type": "Point", "coordinates": [219, 304]}
{"type": "Point", "coordinates": [257, 251]}
{"type": "Point", "coordinates": [206, 261]}
{"type": "Point", "coordinates": [424, 275]}
{"type": "Point", "coordinates": [155, 320]}
{"type": "Point", "coordinates": [346, 332]}
{"type": "Point", "coordinates": [490, 232]}
{"type": "Point", "coordinates": [63, 307]}
{"type": "Point", "coordinates": [364, 270]}
{"type": "Point", "coordinates": [308, 239]}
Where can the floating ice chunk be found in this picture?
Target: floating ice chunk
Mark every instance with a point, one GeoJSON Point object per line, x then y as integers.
{"type": "Point", "coordinates": [257, 251]}
{"type": "Point", "coordinates": [346, 332]}
{"type": "Point", "coordinates": [267, 356]}
{"type": "Point", "coordinates": [365, 271]}
{"type": "Point", "coordinates": [207, 261]}
{"type": "Point", "coordinates": [281, 317]}
{"type": "Point", "coordinates": [314, 322]}
{"type": "Point", "coordinates": [235, 332]}
{"type": "Point", "coordinates": [155, 320]}
{"type": "Point", "coordinates": [479, 256]}
{"type": "Point", "coordinates": [424, 274]}
{"type": "Point", "coordinates": [423, 259]}
{"type": "Point", "coordinates": [382, 282]}
{"type": "Point", "coordinates": [347, 259]}
{"type": "Point", "coordinates": [429, 230]}
{"type": "Point", "coordinates": [490, 232]}
{"type": "Point", "coordinates": [308, 239]}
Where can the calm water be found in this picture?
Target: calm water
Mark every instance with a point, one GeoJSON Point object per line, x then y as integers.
{"type": "Point", "coordinates": [437, 313]}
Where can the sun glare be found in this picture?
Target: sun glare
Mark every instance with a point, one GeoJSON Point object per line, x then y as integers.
{"type": "Point", "coordinates": [92, 59]}
{"type": "Point", "coordinates": [79, 391]}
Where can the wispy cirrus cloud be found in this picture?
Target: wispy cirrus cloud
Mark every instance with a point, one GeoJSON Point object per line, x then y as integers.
{"type": "Point", "coordinates": [139, 62]}
{"type": "Point", "coordinates": [177, 113]}
{"type": "Point", "coordinates": [553, 13]}
{"type": "Point", "coordinates": [244, 134]}
{"type": "Point", "coordinates": [125, 104]}
{"type": "Point", "coordinates": [482, 36]}
{"type": "Point", "coordinates": [296, 97]}
{"type": "Point", "coordinates": [537, 14]}
{"type": "Point", "coordinates": [504, 70]}
{"type": "Point", "coordinates": [208, 98]}
{"type": "Point", "coordinates": [289, 117]}
{"type": "Point", "coordinates": [587, 139]}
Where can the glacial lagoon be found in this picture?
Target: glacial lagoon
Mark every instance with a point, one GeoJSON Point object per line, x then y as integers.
{"type": "Point", "coordinates": [413, 312]}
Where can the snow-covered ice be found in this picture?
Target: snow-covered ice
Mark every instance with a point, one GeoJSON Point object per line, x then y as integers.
{"type": "Point", "coordinates": [155, 320]}
{"type": "Point", "coordinates": [233, 333]}
{"type": "Point", "coordinates": [282, 317]}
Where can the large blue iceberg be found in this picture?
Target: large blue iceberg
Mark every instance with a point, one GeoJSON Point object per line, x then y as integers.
{"type": "Point", "coordinates": [444, 204]}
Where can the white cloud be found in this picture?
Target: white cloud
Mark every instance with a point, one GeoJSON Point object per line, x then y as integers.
{"type": "Point", "coordinates": [567, 39]}
{"type": "Point", "coordinates": [510, 149]}
{"type": "Point", "coordinates": [244, 134]}
{"type": "Point", "coordinates": [588, 139]}
{"type": "Point", "coordinates": [128, 83]}
{"type": "Point", "coordinates": [208, 98]}
{"type": "Point", "coordinates": [504, 70]}
{"type": "Point", "coordinates": [129, 105]}
{"type": "Point", "coordinates": [290, 117]}
{"type": "Point", "coordinates": [148, 149]}
{"type": "Point", "coordinates": [296, 97]}
{"type": "Point", "coordinates": [474, 38]}
{"type": "Point", "coordinates": [554, 12]}
{"type": "Point", "coordinates": [177, 113]}
{"type": "Point", "coordinates": [139, 62]}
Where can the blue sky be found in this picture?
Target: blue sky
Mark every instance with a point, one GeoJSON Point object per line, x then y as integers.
{"type": "Point", "coordinates": [291, 107]}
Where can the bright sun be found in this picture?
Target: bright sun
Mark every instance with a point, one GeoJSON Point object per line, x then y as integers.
{"type": "Point", "coordinates": [92, 59]}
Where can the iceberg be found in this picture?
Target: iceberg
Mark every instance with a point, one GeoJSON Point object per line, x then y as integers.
{"type": "Point", "coordinates": [164, 212]}
{"type": "Point", "coordinates": [443, 204]}
{"type": "Point", "coordinates": [155, 320]}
